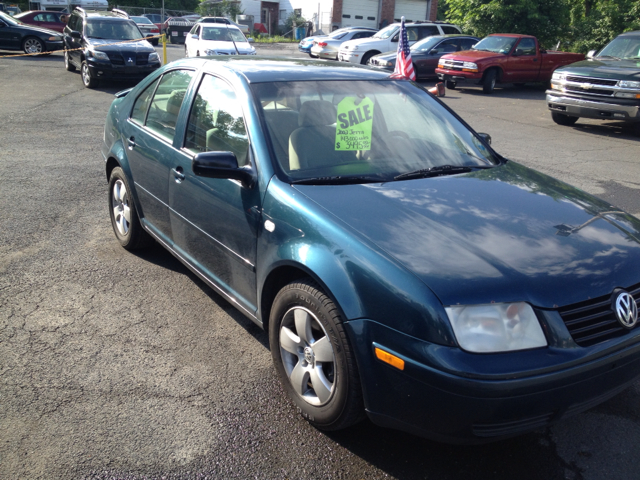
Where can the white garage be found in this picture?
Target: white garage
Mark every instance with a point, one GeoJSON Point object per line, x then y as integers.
{"type": "Point", "coordinates": [360, 13]}
{"type": "Point", "coordinates": [412, 10]}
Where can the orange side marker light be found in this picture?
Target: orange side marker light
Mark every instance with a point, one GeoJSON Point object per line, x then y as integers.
{"type": "Point", "coordinates": [392, 360]}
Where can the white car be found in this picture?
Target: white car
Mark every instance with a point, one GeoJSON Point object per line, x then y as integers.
{"type": "Point", "coordinates": [386, 40]}
{"type": "Point", "coordinates": [217, 39]}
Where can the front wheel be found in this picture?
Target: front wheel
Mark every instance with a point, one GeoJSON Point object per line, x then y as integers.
{"type": "Point", "coordinates": [67, 63]}
{"type": "Point", "coordinates": [87, 79]}
{"type": "Point", "coordinates": [186, 51]}
{"type": "Point", "coordinates": [33, 45]}
{"type": "Point", "coordinates": [562, 119]}
{"type": "Point", "coordinates": [124, 217]}
{"type": "Point", "coordinates": [489, 82]}
{"type": "Point", "coordinates": [366, 57]}
{"type": "Point", "coordinates": [313, 357]}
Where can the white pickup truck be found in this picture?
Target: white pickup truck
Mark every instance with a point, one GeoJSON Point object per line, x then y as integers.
{"type": "Point", "coordinates": [386, 40]}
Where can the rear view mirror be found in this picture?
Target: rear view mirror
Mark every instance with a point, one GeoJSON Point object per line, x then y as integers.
{"type": "Point", "coordinates": [221, 165]}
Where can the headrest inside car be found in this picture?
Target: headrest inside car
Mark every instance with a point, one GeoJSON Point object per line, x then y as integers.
{"type": "Point", "coordinates": [317, 112]}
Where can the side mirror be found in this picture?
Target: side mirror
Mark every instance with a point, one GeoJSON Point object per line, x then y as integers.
{"type": "Point", "coordinates": [517, 53]}
{"type": "Point", "coordinates": [435, 51]}
{"type": "Point", "coordinates": [591, 54]}
{"type": "Point", "coordinates": [195, 37]}
{"type": "Point", "coordinates": [220, 165]}
{"type": "Point", "coordinates": [250, 40]}
{"type": "Point", "coordinates": [395, 39]}
{"type": "Point", "coordinates": [76, 35]}
{"type": "Point", "coordinates": [486, 137]}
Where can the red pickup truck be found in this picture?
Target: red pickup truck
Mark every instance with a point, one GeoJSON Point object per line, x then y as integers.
{"type": "Point", "coordinates": [502, 58]}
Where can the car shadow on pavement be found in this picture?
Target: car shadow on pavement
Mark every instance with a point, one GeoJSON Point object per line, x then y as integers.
{"type": "Point", "coordinates": [533, 91]}
{"type": "Point", "coordinates": [613, 129]}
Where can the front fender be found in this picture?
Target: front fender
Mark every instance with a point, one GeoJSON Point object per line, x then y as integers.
{"type": "Point", "coordinates": [362, 279]}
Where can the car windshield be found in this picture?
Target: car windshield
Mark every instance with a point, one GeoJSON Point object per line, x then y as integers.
{"type": "Point", "coordinates": [386, 32]}
{"type": "Point", "coordinates": [363, 129]}
{"type": "Point", "coordinates": [142, 20]}
{"type": "Point", "coordinates": [222, 34]}
{"type": "Point", "coordinates": [111, 30]}
{"type": "Point", "coordinates": [426, 44]}
{"type": "Point", "coordinates": [496, 44]}
{"type": "Point", "coordinates": [9, 19]}
{"type": "Point", "coordinates": [625, 48]}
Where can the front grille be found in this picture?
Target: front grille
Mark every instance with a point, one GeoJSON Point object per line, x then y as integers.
{"type": "Point", "coordinates": [115, 58]}
{"type": "Point", "coordinates": [591, 91]}
{"type": "Point", "coordinates": [592, 81]}
{"type": "Point", "coordinates": [593, 321]}
{"type": "Point", "coordinates": [142, 59]}
{"type": "Point", "coordinates": [452, 64]}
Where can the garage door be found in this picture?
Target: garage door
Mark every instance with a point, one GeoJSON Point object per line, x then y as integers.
{"type": "Point", "coordinates": [360, 13]}
{"type": "Point", "coordinates": [411, 9]}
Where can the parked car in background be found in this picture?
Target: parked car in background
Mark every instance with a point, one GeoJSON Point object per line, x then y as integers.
{"type": "Point", "coordinates": [157, 19]}
{"type": "Point", "coordinates": [15, 35]}
{"type": "Point", "coordinates": [606, 86]}
{"type": "Point", "coordinates": [386, 40]}
{"type": "Point", "coordinates": [426, 53]}
{"type": "Point", "coordinates": [306, 43]}
{"type": "Point", "coordinates": [328, 47]}
{"type": "Point", "coordinates": [107, 46]}
{"type": "Point", "coordinates": [45, 19]}
{"type": "Point", "coordinates": [12, 10]}
{"type": "Point", "coordinates": [404, 270]}
{"type": "Point", "coordinates": [216, 39]}
{"type": "Point", "coordinates": [243, 28]}
{"type": "Point", "coordinates": [148, 28]}
{"type": "Point", "coordinates": [502, 58]}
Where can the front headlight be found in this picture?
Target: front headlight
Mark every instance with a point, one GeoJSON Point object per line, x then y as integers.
{"type": "Point", "coordinates": [558, 76]}
{"type": "Point", "coordinates": [98, 55]}
{"type": "Point", "coordinates": [210, 52]}
{"type": "Point", "coordinates": [355, 47]}
{"type": "Point", "coordinates": [500, 327]}
{"type": "Point", "coordinates": [628, 84]}
{"type": "Point", "coordinates": [470, 65]}
{"type": "Point", "coordinates": [153, 57]}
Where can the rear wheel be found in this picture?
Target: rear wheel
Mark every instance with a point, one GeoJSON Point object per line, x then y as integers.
{"type": "Point", "coordinates": [562, 119]}
{"type": "Point", "coordinates": [489, 82]}
{"type": "Point", "coordinates": [313, 357]}
{"type": "Point", "coordinates": [124, 217]}
{"type": "Point", "coordinates": [367, 56]}
{"type": "Point", "coordinates": [450, 85]}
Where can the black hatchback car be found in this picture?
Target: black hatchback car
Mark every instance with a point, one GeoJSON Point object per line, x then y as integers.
{"type": "Point", "coordinates": [107, 45]}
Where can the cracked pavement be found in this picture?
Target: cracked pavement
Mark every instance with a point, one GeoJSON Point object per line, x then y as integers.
{"type": "Point", "coordinates": [115, 365]}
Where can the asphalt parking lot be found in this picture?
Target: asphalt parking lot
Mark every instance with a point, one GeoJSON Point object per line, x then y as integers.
{"type": "Point", "coordinates": [114, 365]}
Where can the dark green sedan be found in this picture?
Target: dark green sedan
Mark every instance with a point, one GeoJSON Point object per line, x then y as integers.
{"type": "Point", "coordinates": [405, 271]}
{"type": "Point", "coordinates": [15, 35]}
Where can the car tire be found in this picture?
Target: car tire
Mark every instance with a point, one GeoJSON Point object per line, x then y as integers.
{"type": "Point", "coordinates": [313, 358]}
{"type": "Point", "coordinates": [186, 51]}
{"type": "Point", "coordinates": [367, 56]}
{"type": "Point", "coordinates": [67, 63]}
{"type": "Point", "coordinates": [450, 85]}
{"type": "Point", "coordinates": [124, 216]}
{"type": "Point", "coordinates": [155, 42]}
{"type": "Point", "coordinates": [489, 82]}
{"type": "Point", "coordinates": [312, 55]}
{"type": "Point", "coordinates": [87, 79]}
{"type": "Point", "coordinates": [33, 45]}
{"type": "Point", "coordinates": [562, 119]}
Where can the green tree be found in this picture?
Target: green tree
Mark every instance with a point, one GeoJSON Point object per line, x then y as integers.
{"type": "Point", "coordinates": [546, 19]}
{"type": "Point", "coordinates": [225, 8]}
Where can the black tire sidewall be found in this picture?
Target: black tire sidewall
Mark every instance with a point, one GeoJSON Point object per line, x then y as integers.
{"type": "Point", "coordinates": [130, 239]}
{"type": "Point", "coordinates": [488, 85]}
{"type": "Point", "coordinates": [305, 295]}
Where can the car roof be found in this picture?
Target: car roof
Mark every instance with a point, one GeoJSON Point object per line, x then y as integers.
{"type": "Point", "coordinates": [279, 69]}
{"type": "Point", "coordinates": [630, 34]}
{"type": "Point", "coordinates": [218, 25]}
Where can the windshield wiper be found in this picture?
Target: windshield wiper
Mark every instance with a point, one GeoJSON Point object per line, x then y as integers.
{"type": "Point", "coordinates": [438, 171]}
{"type": "Point", "coordinates": [336, 180]}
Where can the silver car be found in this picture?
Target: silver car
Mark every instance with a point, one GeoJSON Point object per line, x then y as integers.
{"type": "Point", "coordinates": [327, 47]}
{"type": "Point", "coordinates": [148, 28]}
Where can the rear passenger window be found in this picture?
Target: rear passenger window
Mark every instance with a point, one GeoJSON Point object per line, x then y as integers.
{"type": "Point", "coordinates": [166, 103]}
{"type": "Point", "coordinates": [428, 30]}
{"type": "Point", "coordinates": [139, 112]}
{"type": "Point", "coordinates": [447, 29]}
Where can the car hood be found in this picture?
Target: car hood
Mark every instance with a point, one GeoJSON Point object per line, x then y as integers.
{"type": "Point", "coordinates": [33, 28]}
{"type": "Point", "coordinates": [221, 46]}
{"type": "Point", "coordinates": [472, 55]}
{"type": "Point", "coordinates": [614, 69]}
{"type": "Point", "coordinates": [141, 46]}
{"type": "Point", "coordinates": [498, 235]}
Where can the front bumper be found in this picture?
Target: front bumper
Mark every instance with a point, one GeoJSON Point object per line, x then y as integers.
{"type": "Point", "coordinates": [107, 71]}
{"type": "Point", "coordinates": [627, 110]}
{"type": "Point", "coordinates": [458, 76]}
{"type": "Point", "coordinates": [53, 46]}
{"type": "Point", "coordinates": [449, 395]}
{"type": "Point", "coordinates": [350, 57]}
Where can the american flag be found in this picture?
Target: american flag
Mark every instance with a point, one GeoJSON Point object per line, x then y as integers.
{"type": "Point", "coordinates": [404, 65]}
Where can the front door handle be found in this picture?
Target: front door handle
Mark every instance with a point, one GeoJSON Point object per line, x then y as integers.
{"type": "Point", "coordinates": [131, 141]}
{"type": "Point", "coordinates": [177, 172]}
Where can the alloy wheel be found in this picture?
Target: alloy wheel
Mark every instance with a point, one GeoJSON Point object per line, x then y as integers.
{"type": "Point", "coordinates": [32, 45]}
{"type": "Point", "coordinates": [121, 209]}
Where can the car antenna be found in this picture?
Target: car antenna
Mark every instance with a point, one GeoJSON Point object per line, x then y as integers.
{"type": "Point", "coordinates": [231, 36]}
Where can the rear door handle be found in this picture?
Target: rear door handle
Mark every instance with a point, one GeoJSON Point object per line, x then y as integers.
{"type": "Point", "coordinates": [178, 173]}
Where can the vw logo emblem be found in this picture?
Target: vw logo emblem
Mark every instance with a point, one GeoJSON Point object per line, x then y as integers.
{"type": "Point", "coordinates": [626, 310]}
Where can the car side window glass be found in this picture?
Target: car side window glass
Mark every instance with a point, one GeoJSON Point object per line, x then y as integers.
{"type": "Point", "coordinates": [38, 18]}
{"type": "Point", "coordinates": [427, 31]}
{"type": "Point", "coordinates": [166, 103]}
{"type": "Point", "coordinates": [450, 30]}
{"type": "Point", "coordinates": [527, 46]}
{"type": "Point", "coordinates": [412, 34]}
{"type": "Point", "coordinates": [448, 46]}
{"type": "Point", "coordinates": [467, 43]}
{"type": "Point", "coordinates": [141, 105]}
{"type": "Point", "coordinates": [73, 23]}
{"type": "Point", "coordinates": [216, 122]}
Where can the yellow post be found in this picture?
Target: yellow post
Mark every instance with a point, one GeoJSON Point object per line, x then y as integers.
{"type": "Point", "coordinates": [164, 49]}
